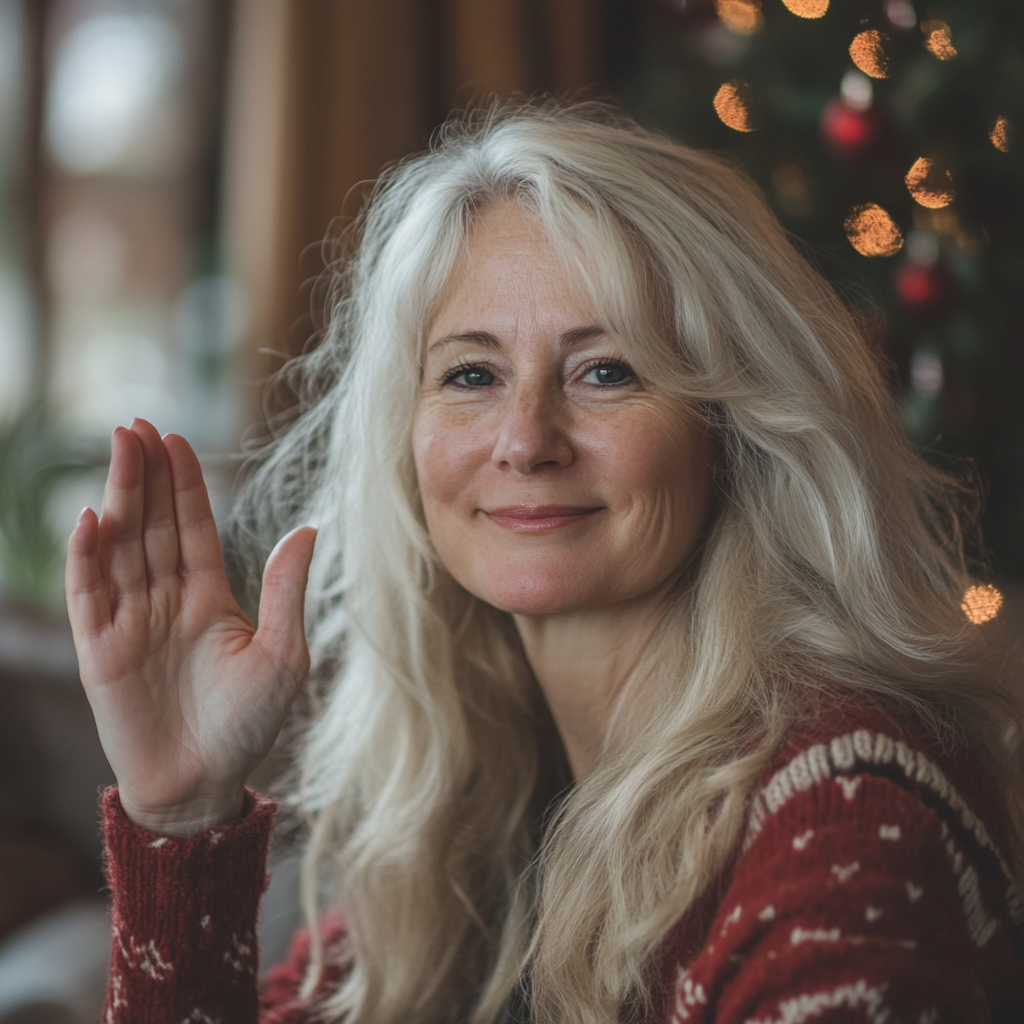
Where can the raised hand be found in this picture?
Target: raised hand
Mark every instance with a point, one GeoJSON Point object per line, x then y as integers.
{"type": "Point", "coordinates": [188, 695]}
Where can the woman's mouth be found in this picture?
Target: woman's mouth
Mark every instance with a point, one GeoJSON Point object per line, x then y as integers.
{"type": "Point", "coordinates": [539, 518]}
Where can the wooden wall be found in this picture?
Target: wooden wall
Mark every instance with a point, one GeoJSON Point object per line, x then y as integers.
{"type": "Point", "coordinates": [323, 93]}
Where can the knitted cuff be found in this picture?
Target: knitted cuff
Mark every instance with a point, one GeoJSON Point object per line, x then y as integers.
{"type": "Point", "coordinates": [184, 912]}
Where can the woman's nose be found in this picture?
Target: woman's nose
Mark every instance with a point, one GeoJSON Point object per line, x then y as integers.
{"type": "Point", "coordinates": [532, 433]}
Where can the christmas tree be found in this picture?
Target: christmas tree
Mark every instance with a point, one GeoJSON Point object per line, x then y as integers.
{"type": "Point", "coordinates": [882, 133]}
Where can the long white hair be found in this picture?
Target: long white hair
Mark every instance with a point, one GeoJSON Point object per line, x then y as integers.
{"type": "Point", "coordinates": [443, 821]}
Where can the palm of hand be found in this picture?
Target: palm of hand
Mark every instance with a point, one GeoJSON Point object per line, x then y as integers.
{"type": "Point", "coordinates": [188, 695]}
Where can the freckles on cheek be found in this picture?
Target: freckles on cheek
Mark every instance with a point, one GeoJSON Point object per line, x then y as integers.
{"type": "Point", "coordinates": [445, 453]}
{"type": "Point", "coordinates": [640, 461]}
{"type": "Point", "coordinates": [660, 469]}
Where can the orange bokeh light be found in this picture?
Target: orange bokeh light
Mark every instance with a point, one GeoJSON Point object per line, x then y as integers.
{"type": "Point", "coordinates": [807, 8]}
{"type": "Point", "coordinates": [872, 232]}
{"type": "Point", "coordinates": [1000, 135]}
{"type": "Point", "coordinates": [740, 16]}
{"type": "Point", "coordinates": [867, 51]}
{"type": "Point", "coordinates": [981, 603]}
{"type": "Point", "coordinates": [732, 105]}
{"type": "Point", "coordinates": [930, 185]}
{"type": "Point", "coordinates": [937, 39]}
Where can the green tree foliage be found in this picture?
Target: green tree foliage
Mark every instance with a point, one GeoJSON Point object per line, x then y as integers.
{"type": "Point", "coordinates": [35, 460]}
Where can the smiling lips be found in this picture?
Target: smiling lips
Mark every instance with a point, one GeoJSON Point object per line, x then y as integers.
{"type": "Point", "coordinates": [539, 518]}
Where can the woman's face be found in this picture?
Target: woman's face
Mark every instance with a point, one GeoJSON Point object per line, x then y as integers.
{"type": "Point", "coordinates": [552, 480]}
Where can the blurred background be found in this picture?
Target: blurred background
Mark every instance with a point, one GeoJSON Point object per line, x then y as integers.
{"type": "Point", "coordinates": [169, 170]}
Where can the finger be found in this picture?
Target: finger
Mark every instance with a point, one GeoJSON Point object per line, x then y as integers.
{"type": "Point", "coordinates": [84, 586]}
{"type": "Point", "coordinates": [198, 543]}
{"type": "Point", "coordinates": [282, 601]}
{"type": "Point", "coordinates": [159, 533]}
{"type": "Point", "coordinates": [121, 555]}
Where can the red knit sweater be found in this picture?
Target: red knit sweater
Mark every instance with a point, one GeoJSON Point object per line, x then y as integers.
{"type": "Point", "coordinates": [872, 886]}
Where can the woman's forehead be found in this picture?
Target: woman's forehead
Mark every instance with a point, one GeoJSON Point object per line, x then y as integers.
{"type": "Point", "coordinates": [509, 257]}
{"type": "Point", "coordinates": [505, 232]}
{"type": "Point", "coordinates": [599, 273]}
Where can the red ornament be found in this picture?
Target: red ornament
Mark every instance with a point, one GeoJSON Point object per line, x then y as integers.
{"type": "Point", "coordinates": [925, 291]}
{"type": "Point", "coordinates": [851, 133]}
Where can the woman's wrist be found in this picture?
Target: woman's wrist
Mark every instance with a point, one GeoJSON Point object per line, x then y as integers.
{"type": "Point", "coordinates": [186, 819]}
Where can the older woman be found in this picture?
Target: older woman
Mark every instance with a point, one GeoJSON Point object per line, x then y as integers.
{"type": "Point", "coordinates": [649, 694]}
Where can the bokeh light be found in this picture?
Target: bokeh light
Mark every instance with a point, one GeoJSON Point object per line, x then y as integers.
{"type": "Point", "coordinates": [926, 373]}
{"type": "Point", "coordinates": [981, 603]}
{"type": "Point", "coordinates": [867, 51]}
{"type": "Point", "coordinates": [901, 14]}
{"type": "Point", "coordinates": [732, 105]}
{"type": "Point", "coordinates": [856, 90]}
{"type": "Point", "coordinates": [740, 16]}
{"type": "Point", "coordinates": [930, 186]}
{"type": "Point", "coordinates": [807, 8]}
{"type": "Point", "coordinates": [1000, 135]}
{"type": "Point", "coordinates": [938, 40]}
{"type": "Point", "coordinates": [923, 247]}
{"type": "Point", "coordinates": [112, 72]}
{"type": "Point", "coordinates": [792, 189]}
{"type": "Point", "coordinates": [872, 232]}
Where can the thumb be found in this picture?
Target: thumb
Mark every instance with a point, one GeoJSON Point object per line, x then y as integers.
{"type": "Point", "coordinates": [282, 601]}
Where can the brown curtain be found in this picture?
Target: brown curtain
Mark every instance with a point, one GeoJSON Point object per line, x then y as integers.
{"type": "Point", "coordinates": [324, 93]}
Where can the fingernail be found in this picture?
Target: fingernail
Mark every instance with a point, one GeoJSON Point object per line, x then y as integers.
{"type": "Point", "coordinates": [82, 513]}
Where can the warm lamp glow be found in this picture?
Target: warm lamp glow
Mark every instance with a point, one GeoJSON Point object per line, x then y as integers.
{"type": "Point", "coordinates": [740, 16]}
{"type": "Point", "coordinates": [872, 232]}
{"type": "Point", "coordinates": [929, 185]}
{"type": "Point", "coordinates": [937, 39]}
{"type": "Point", "coordinates": [981, 603]}
{"type": "Point", "coordinates": [807, 8]}
{"type": "Point", "coordinates": [1000, 135]}
{"type": "Point", "coordinates": [732, 105]}
{"type": "Point", "coordinates": [868, 52]}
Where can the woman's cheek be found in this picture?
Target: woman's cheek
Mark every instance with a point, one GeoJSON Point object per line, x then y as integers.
{"type": "Point", "coordinates": [639, 454]}
{"type": "Point", "coordinates": [448, 448]}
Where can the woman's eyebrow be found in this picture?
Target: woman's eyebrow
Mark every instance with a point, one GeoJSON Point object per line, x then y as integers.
{"type": "Point", "coordinates": [566, 339]}
{"type": "Point", "coordinates": [578, 334]}
{"type": "Point", "coordinates": [484, 338]}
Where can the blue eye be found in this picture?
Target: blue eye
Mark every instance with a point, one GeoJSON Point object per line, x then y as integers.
{"type": "Point", "coordinates": [607, 374]}
{"type": "Point", "coordinates": [470, 377]}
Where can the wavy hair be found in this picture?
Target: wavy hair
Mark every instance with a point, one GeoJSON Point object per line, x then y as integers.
{"type": "Point", "coordinates": [442, 819]}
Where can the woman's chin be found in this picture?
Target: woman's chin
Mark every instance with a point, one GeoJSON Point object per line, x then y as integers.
{"type": "Point", "coordinates": [525, 594]}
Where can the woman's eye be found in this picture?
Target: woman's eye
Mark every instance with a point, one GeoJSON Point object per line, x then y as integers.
{"type": "Point", "coordinates": [470, 377]}
{"type": "Point", "coordinates": [608, 373]}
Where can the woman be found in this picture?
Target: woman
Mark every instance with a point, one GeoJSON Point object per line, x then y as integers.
{"type": "Point", "coordinates": [649, 693]}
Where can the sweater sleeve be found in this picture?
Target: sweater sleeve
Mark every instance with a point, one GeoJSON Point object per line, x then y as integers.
{"type": "Point", "coordinates": [867, 890]}
{"type": "Point", "coordinates": [280, 996]}
{"type": "Point", "coordinates": [184, 918]}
